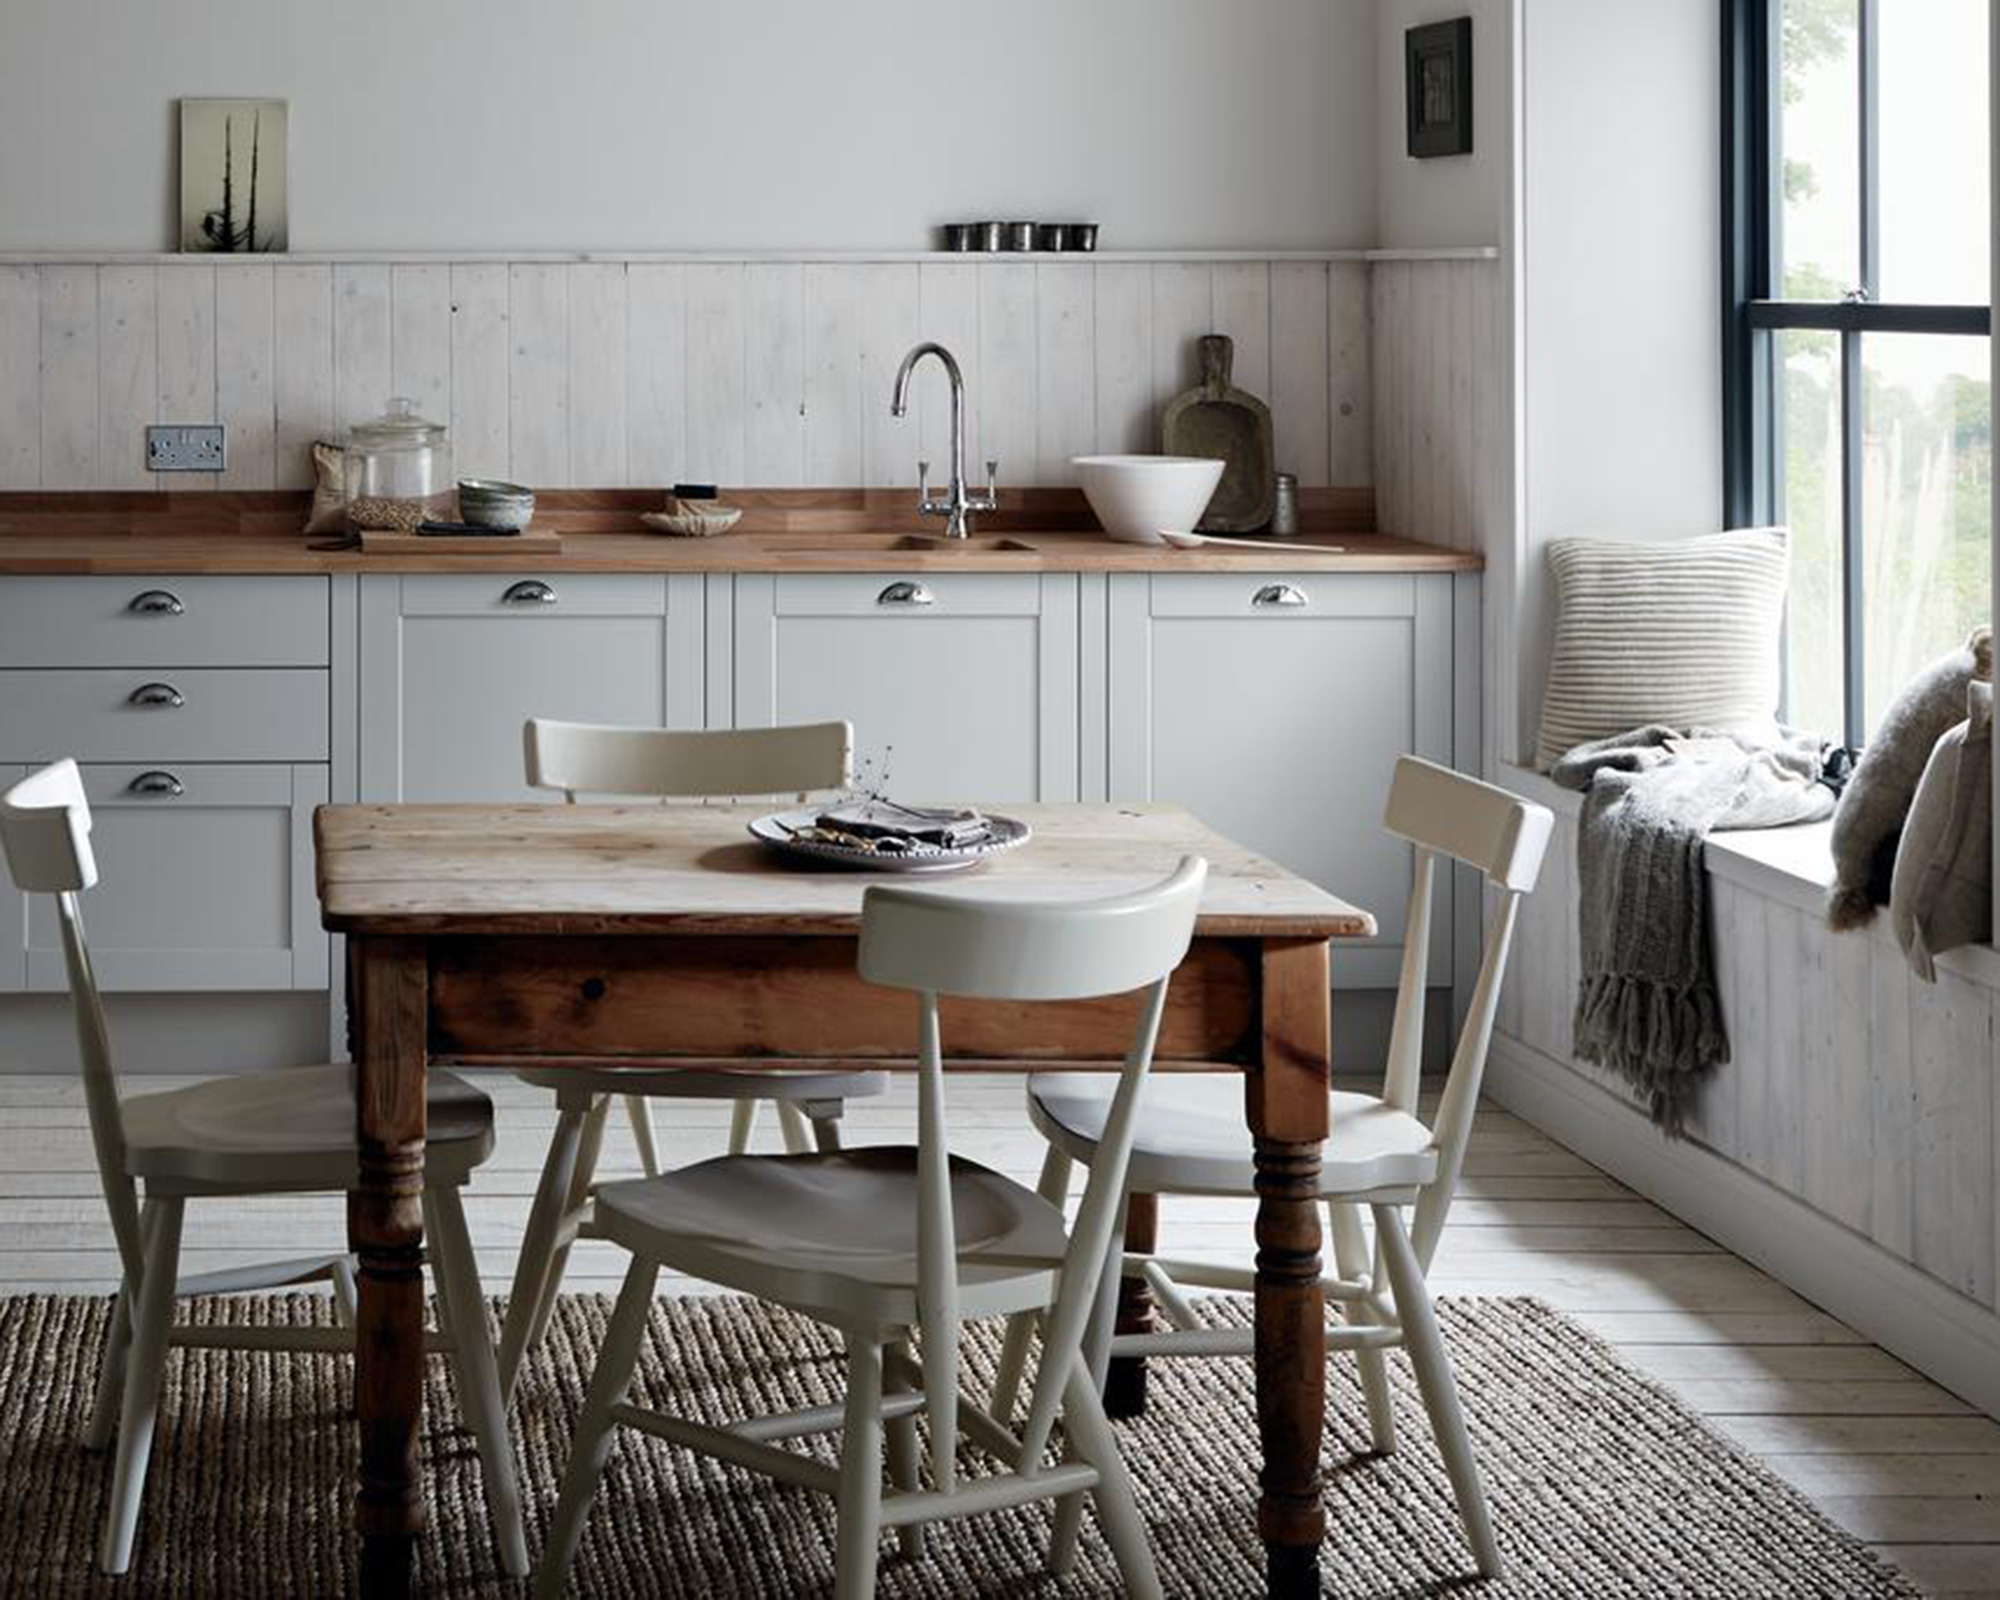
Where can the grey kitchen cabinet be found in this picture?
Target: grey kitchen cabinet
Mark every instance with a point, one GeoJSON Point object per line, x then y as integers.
{"type": "Point", "coordinates": [452, 666]}
{"type": "Point", "coordinates": [206, 881]}
{"type": "Point", "coordinates": [201, 710]}
{"type": "Point", "coordinates": [960, 685]}
{"type": "Point", "coordinates": [13, 915]}
{"type": "Point", "coordinates": [1274, 707]}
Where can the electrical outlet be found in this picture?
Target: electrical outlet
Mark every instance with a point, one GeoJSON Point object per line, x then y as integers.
{"type": "Point", "coordinates": [194, 447]}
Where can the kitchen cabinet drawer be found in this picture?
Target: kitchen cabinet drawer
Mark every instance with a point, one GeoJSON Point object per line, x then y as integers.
{"type": "Point", "coordinates": [1278, 722]}
{"type": "Point", "coordinates": [165, 714]}
{"type": "Point", "coordinates": [206, 882]}
{"type": "Point", "coordinates": [451, 668]}
{"type": "Point", "coordinates": [970, 694]}
{"type": "Point", "coordinates": [163, 622]}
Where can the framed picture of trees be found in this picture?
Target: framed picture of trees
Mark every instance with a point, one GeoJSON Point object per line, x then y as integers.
{"type": "Point", "coordinates": [233, 176]}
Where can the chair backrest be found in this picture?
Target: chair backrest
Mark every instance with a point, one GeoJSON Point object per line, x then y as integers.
{"type": "Point", "coordinates": [45, 836]}
{"type": "Point", "coordinates": [1445, 813]}
{"type": "Point", "coordinates": [938, 943]}
{"type": "Point", "coordinates": [670, 763]}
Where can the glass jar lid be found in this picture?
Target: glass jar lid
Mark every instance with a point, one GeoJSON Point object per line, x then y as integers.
{"type": "Point", "coordinates": [398, 428]}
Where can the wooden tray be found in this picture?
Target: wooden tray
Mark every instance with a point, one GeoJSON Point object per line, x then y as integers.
{"type": "Point", "coordinates": [529, 541]}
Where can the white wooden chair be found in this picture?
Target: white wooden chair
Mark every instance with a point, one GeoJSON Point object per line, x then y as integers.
{"type": "Point", "coordinates": [885, 1242]}
{"type": "Point", "coordinates": [1190, 1140]}
{"type": "Point", "coordinates": [662, 764]}
{"type": "Point", "coordinates": [281, 1132]}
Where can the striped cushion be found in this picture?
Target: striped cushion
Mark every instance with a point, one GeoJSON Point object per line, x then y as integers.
{"type": "Point", "coordinates": [1684, 632]}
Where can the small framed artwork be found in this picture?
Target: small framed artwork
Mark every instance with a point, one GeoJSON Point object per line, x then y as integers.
{"type": "Point", "coordinates": [1437, 70]}
{"type": "Point", "coordinates": [234, 189]}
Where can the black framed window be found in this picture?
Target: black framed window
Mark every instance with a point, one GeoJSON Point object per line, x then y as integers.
{"type": "Point", "coordinates": [1857, 403]}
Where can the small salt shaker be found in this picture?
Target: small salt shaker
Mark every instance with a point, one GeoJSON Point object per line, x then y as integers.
{"type": "Point", "coordinates": [1285, 506]}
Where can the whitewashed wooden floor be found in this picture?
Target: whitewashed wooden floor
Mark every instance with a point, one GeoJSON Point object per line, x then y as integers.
{"type": "Point", "coordinates": [1894, 1458]}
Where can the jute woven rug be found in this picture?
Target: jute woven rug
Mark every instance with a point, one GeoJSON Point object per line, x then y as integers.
{"type": "Point", "coordinates": [1602, 1483]}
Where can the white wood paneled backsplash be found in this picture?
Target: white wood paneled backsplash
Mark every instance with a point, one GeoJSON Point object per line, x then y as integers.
{"type": "Point", "coordinates": [773, 372]}
{"type": "Point", "coordinates": [1442, 434]}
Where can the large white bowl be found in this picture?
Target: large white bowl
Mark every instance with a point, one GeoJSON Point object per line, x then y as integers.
{"type": "Point", "coordinates": [1138, 498]}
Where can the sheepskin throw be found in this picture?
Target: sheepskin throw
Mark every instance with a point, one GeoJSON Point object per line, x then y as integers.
{"type": "Point", "coordinates": [1646, 1005]}
{"type": "Point", "coordinates": [1682, 633]}
{"type": "Point", "coordinates": [1876, 801]}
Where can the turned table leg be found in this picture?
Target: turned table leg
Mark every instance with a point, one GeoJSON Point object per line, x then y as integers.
{"type": "Point", "coordinates": [1125, 1381]}
{"type": "Point", "coordinates": [1286, 1094]}
{"type": "Point", "coordinates": [385, 1230]}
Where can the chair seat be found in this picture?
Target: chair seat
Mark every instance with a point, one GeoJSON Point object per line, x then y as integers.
{"type": "Point", "coordinates": [1192, 1138]}
{"type": "Point", "coordinates": [706, 1083]}
{"type": "Point", "coordinates": [836, 1233]}
{"type": "Point", "coordinates": [289, 1130]}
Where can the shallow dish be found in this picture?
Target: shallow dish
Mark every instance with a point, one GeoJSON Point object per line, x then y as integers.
{"type": "Point", "coordinates": [778, 831]}
{"type": "Point", "coordinates": [693, 519]}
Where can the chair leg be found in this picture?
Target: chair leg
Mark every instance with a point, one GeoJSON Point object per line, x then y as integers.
{"type": "Point", "coordinates": [1351, 1256]}
{"type": "Point", "coordinates": [792, 1124]}
{"type": "Point", "coordinates": [903, 1452]}
{"type": "Point", "coordinates": [825, 1127]}
{"type": "Point", "coordinates": [1089, 1430]}
{"type": "Point", "coordinates": [742, 1123]}
{"type": "Point", "coordinates": [531, 1272]}
{"type": "Point", "coordinates": [860, 1497]}
{"type": "Point", "coordinates": [346, 1294]}
{"type": "Point", "coordinates": [579, 1196]}
{"type": "Point", "coordinates": [464, 1308]}
{"type": "Point", "coordinates": [1094, 1362]}
{"type": "Point", "coordinates": [1054, 1188]}
{"type": "Point", "coordinates": [1437, 1385]}
{"type": "Point", "coordinates": [592, 1444]}
{"type": "Point", "coordinates": [145, 1365]}
{"type": "Point", "coordinates": [639, 1112]}
{"type": "Point", "coordinates": [117, 1342]}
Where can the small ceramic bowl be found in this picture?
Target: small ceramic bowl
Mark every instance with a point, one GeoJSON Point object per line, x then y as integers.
{"type": "Point", "coordinates": [487, 504]}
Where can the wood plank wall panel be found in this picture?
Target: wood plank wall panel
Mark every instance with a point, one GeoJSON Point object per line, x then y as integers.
{"type": "Point", "coordinates": [594, 373]}
{"type": "Point", "coordinates": [1852, 1085]}
{"type": "Point", "coordinates": [302, 367]}
{"type": "Point", "coordinates": [20, 399]}
{"type": "Point", "coordinates": [1434, 377]}
{"type": "Point", "coordinates": [245, 392]}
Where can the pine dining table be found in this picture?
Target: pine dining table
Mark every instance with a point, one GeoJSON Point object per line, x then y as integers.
{"type": "Point", "coordinates": [520, 935]}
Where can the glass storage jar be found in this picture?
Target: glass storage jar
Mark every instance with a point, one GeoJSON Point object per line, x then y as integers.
{"type": "Point", "coordinates": [397, 470]}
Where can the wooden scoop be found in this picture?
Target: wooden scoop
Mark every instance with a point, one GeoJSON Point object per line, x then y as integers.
{"type": "Point", "coordinates": [1193, 541]}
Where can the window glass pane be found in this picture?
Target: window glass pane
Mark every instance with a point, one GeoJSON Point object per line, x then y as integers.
{"type": "Point", "coordinates": [1819, 142]}
{"type": "Point", "coordinates": [1934, 151]}
{"type": "Point", "coordinates": [1808, 438]}
{"type": "Point", "coordinates": [1926, 498]}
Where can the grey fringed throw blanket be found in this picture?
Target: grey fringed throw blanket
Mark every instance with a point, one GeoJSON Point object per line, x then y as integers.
{"type": "Point", "coordinates": [1647, 1003]}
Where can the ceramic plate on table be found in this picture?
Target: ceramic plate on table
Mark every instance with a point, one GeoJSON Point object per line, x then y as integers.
{"type": "Point", "coordinates": [782, 830]}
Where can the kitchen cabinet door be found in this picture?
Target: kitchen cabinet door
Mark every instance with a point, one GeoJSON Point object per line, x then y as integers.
{"type": "Point", "coordinates": [205, 881]}
{"type": "Point", "coordinates": [1274, 707]}
{"type": "Point", "coordinates": [451, 667]}
{"type": "Point", "coordinates": [960, 686]}
{"type": "Point", "coordinates": [13, 913]}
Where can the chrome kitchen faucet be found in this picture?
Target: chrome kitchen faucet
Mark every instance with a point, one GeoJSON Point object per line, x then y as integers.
{"type": "Point", "coordinates": [958, 502]}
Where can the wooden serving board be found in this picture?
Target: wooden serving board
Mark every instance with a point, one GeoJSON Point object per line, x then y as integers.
{"type": "Point", "coordinates": [529, 541]}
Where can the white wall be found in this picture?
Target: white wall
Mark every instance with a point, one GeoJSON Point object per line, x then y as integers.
{"type": "Point", "coordinates": [690, 124]}
{"type": "Point", "coordinates": [1444, 201]}
{"type": "Point", "coordinates": [1619, 252]}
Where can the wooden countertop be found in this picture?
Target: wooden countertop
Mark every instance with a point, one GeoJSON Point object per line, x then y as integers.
{"type": "Point", "coordinates": [782, 531]}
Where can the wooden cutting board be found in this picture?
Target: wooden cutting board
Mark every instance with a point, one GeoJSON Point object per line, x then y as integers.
{"type": "Point", "coordinates": [529, 541]}
{"type": "Point", "coordinates": [1219, 420]}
